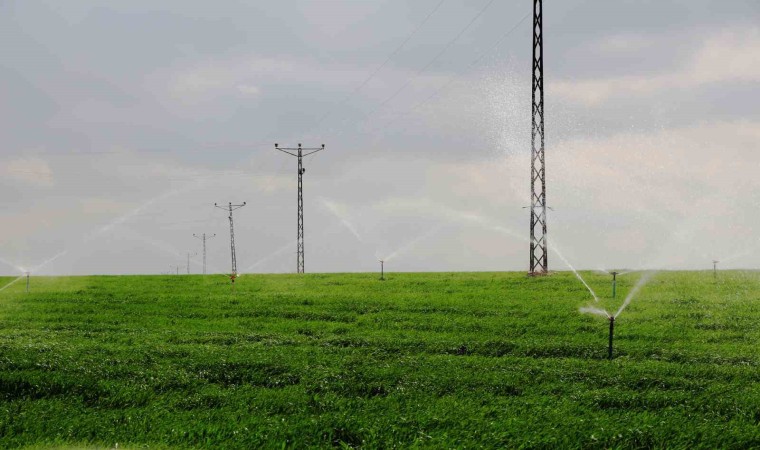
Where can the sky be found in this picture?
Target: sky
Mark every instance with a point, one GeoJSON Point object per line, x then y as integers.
{"type": "Point", "coordinates": [123, 123]}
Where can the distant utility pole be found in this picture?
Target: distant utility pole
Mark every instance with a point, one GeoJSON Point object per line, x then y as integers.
{"type": "Point", "coordinates": [175, 266]}
{"type": "Point", "coordinates": [539, 263]}
{"type": "Point", "coordinates": [298, 152]}
{"type": "Point", "coordinates": [189, 254]}
{"type": "Point", "coordinates": [203, 238]}
{"type": "Point", "coordinates": [230, 207]}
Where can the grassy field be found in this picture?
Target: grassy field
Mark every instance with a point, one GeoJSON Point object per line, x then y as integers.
{"type": "Point", "coordinates": [421, 360]}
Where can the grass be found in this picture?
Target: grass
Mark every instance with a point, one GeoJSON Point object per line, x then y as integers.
{"type": "Point", "coordinates": [456, 360]}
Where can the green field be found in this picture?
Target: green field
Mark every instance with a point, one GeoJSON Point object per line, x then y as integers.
{"type": "Point", "coordinates": [440, 360]}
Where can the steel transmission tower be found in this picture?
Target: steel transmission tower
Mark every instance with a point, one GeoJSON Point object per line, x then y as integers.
{"type": "Point", "coordinates": [203, 238]}
{"type": "Point", "coordinates": [299, 153]}
{"type": "Point", "coordinates": [539, 263]}
{"type": "Point", "coordinates": [230, 207]}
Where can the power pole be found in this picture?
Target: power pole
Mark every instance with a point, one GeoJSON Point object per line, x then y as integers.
{"type": "Point", "coordinates": [203, 238]}
{"type": "Point", "coordinates": [189, 254]}
{"type": "Point", "coordinates": [230, 207]}
{"type": "Point", "coordinates": [539, 263]}
{"type": "Point", "coordinates": [298, 152]}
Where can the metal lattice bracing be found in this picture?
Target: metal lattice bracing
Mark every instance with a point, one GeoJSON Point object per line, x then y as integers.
{"type": "Point", "coordinates": [539, 263]}
{"type": "Point", "coordinates": [298, 152]}
{"type": "Point", "coordinates": [230, 207]}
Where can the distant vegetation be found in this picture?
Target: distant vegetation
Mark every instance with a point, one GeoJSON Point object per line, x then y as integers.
{"type": "Point", "coordinates": [430, 360]}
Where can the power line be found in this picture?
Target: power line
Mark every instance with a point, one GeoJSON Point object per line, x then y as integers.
{"type": "Point", "coordinates": [378, 69]}
{"type": "Point", "coordinates": [428, 65]}
{"type": "Point", "coordinates": [455, 77]}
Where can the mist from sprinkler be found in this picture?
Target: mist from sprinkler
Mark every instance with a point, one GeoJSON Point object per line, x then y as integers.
{"type": "Point", "coordinates": [27, 272]}
{"type": "Point", "coordinates": [611, 317]}
{"type": "Point", "coordinates": [577, 275]}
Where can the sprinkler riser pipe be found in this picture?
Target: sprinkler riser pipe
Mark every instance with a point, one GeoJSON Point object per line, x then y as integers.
{"type": "Point", "coordinates": [612, 332]}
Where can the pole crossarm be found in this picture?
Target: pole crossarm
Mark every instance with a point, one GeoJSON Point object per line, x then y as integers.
{"type": "Point", "coordinates": [299, 152]}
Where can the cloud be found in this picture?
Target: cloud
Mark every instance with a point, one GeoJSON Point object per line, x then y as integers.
{"type": "Point", "coordinates": [725, 56]}
{"type": "Point", "coordinates": [248, 89]}
{"type": "Point", "coordinates": [31, 171]}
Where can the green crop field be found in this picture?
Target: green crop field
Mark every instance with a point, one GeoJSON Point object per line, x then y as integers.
{"type": "Point", "coordinates": [445, 360]}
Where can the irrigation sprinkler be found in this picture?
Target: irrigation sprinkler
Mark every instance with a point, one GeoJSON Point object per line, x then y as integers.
{"type": "Point", "coordinates": [382, 270]}
{"type": "Point", "coordinates": [614, 282]}
{"type": "Point", "coordinates": [27, 282]}
{"type": "Point", "coordinates": [715, 269]}
{"type": "Point", "coordinates": [175, 266]}
{"type": "Point", "coordinates": [612, 330]}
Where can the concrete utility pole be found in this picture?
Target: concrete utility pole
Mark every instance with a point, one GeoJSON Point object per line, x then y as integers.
{"type": "Point", "coordinates": [203, 238]}
{"type": "Point", "coordinates": [230, 207]}
{"type": "Point", "coordinates": [539, 261]}
{"type": "Point", "coordinates": [298, 152]}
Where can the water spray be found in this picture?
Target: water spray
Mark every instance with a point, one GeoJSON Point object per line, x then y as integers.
{"type": "Point", "coordinates": [614, 282]}
{"type": "Point", "coordinates": [382, 270]}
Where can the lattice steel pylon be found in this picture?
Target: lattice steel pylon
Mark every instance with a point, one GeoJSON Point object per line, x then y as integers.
{"type": "Point", "coordinates": [230, 207]}
{"type": "Point", "coordinates": [298, 152]}
{"type": "Point", "coordinates": [203, 238]}
{"type": "Point", "coordinates": [539, 261]}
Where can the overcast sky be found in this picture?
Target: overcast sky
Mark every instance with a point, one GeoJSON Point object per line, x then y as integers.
{"type": "Point", "coordinates": [122, 123]}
